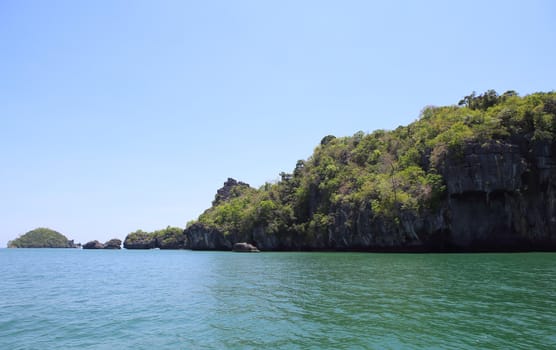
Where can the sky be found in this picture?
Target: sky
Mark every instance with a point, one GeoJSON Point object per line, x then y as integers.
{"type": "Point", "coordinates": [125, 115]}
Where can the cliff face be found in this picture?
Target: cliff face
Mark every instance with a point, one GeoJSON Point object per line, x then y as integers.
{"type": "Point", "coordinates": [200, 237]}
{"type": "Point", "coordinates": [500, 196]}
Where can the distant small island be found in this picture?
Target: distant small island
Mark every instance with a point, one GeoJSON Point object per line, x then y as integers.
{"type": "Point", "coordinates": [114, 243]}
{"type": "Point", "coordinates": [168, 238]}
{"type": "Point", "coordinates": [42, 237]}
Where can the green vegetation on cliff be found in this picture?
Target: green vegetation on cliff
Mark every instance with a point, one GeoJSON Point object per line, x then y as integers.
{"type": "Point", "coordinates": [384, 175]}
{"type": "Point", "coordinates": [41, 238]}
{"type": "Point", "coordinates": [168, 238]}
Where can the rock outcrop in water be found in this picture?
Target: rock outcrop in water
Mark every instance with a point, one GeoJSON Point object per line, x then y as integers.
{"type": "Point", "coordinates": [114, 243]}
{"type": "Point", "coordinates": [481, 177]}
{"type": "Point", "coordinates": [111, 244]}
{"type": "Point", "coordinates": [243, 247]}
{"type": "Point", "coordinates": [140, 240]}
{"type": "Point", "coordinates": [168, 238]}
{"type": "Point", "coordinates": [93, 245]}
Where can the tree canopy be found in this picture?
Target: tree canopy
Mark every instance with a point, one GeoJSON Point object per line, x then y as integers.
{"type": "Point", "coordinates": [167, 238]}
{"type": "Point", "coordinates": [41, 238]}
{"type": "Point", "coordinates": [390, 172]}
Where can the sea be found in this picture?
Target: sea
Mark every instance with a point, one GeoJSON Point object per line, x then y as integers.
{"type": "Point", "coordinates": [157, 299]}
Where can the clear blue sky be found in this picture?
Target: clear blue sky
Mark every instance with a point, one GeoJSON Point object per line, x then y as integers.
{"type": "Point", "coordinates": [120, 115]}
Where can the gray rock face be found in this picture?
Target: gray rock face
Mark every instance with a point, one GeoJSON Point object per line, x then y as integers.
{"type": "Point", "coordinates": [484, 168]}
{"type": "Point", "coordinates": [200, 237]}
{"type": "Point", "coordinates": [93, 245]}
{"type": "Point", "coordinates": [502, 196]}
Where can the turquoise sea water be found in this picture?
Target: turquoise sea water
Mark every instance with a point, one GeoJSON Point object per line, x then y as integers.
{"type": "Point", "coordinates": [86, 299]}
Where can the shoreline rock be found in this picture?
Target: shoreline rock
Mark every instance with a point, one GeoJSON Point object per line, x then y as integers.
{"type": "Point", "coordinates": [93, 245]}
{"type": "Point", "coordinates": [114, 243]}
{"type": "Point", "coordinates": [243, 247]}
{"type": "Point", "coordinates": [140, 240]}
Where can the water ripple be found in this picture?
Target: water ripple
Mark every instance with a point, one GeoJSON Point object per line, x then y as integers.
{"type": "Point", "coordinates": [75, 299]}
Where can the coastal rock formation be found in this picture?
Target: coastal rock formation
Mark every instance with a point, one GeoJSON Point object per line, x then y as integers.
{"type": "Point", "coordinates": [502, 195]}
{"type": "Point", "coordinates": [481, 177]}
{"type": "Point", "coordinates": [111, 244]}
{"type": "Point", "coordinates": [499, 196]}
{"type": "Point", "coordinates": [244, 247]}
{"type": "Point", "coordinates": [140, 240]}
{"type": "Point", "coordinates": [93, 245]}
{"type": "Point", "coordinates": [114, 243]}
{"type": "Point", "coordinates": [168, 238]}
{"type": "Point", "coordinates": [200, 237]}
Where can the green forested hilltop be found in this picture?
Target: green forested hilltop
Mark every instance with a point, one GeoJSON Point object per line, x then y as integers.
{"type": "Point", "coordinates": [384, 188]}
{"type": "Point", "coordinates": [479, 175]}
{"type": "Point", "coordinates": [41, 238]}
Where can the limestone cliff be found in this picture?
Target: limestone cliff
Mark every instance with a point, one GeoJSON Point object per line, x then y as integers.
{"type": "Point", "coordinates": [480, 176]}
{"type": "Point", "coordinates": [502, 195]}
{"type": "Point", "coordinates": [499, 196]}
{"type": "Point", "coordinates": [201, 237]}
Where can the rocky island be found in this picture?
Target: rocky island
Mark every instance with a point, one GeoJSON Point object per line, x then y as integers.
{"type": "Point", "coordinates": [477, 176]}
{"type": "Point", "coordinates": [42, 238]}
{"type": "Point", "coordinates": [168, 238]}
{"type": "Point", "coordinates": [111, 244]}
